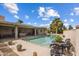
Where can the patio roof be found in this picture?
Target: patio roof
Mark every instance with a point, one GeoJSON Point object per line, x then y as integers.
{"type": "Point", "coordinates": [11, 24]}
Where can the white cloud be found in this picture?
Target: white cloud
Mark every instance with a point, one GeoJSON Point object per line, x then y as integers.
{"type": "Point", "coordinates": [35, 23]}
{"type": "Point", "coordinates": [45, 19]}
{"type": "Point", "coordinates": [26, 16]}
{"type": "Point", "coordinates": [71, 14]}
{"type": "Point", "coordinates": [47, 25]}
{"type": "Point", "coordinates": [52, 13]}
{"type": "Point", "coordinates": [17, 17]}
{"type": "Point", "coordinates": [44, 25]}
{"type": "Point", "coordinates": [65, 20]}
{"type": "Point", "coordinates": [50, 22]}
{"type": "Point", "coordinates": [48, 7]}
{"type": "Point", "coordinates": [47, 12]}
{"type": "Point", "coordinates": [41, 25]}
{"type": "Point", "coordinates": [66, 24]}
{"type": "Point", "coordinates": [29, 23]}
{"type": "Point", "coordinates": [33, 11]}
{"type": "Point", "coordinates": [41, 11]}
{"type": "Point", "coordinates": [71, 20]}
{"type": "Point", "coordinates": [12, 7]}
{"type": "Point", "coordinates": [76, 11]}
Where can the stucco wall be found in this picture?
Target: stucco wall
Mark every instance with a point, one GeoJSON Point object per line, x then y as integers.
{"type": "Point", "coordinates": [77, 42]}
{"type": "Point", "coordinates": [74, 36]}
{"type": "Point", "coordinates": [41, 31]}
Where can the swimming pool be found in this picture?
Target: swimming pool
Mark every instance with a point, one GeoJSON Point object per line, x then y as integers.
{"type": "Point", "coordinates": [43, 41]}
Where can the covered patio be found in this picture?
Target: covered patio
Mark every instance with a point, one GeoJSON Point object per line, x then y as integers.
{"type": "Point", "coordinates": [14, 30]}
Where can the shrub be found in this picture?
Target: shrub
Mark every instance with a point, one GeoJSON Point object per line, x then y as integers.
{"type": "Point", "coordinates": [19, 47]}
{"type": "Point", "coordinates": [58, 38]}
{"type": "Point", "coordinates": [10, 42]}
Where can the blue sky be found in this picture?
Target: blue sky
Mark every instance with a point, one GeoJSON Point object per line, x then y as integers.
{"type": "Point", "coordinates": [41, 14]}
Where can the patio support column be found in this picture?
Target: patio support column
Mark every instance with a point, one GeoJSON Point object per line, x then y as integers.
{"type": "Point", "coordinates": [16, 32]}
{"type": "Point", "coordinates": [35, 32]}
{"type": "Point", "coordinates": [41, 31]}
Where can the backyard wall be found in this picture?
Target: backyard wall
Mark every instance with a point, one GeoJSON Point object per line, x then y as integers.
{"type": "Point", "coordinates": [77, 42]}
{"type": "Point", "coordinates": [74, 36]}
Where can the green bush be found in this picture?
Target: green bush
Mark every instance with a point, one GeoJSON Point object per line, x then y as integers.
{"type": "Point", "coordinates": [19, 47]}
{"type": "Point", "coordinates": [58, 38]}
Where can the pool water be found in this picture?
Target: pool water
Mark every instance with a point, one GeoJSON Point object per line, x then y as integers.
{"type": "Point", "coordinates": [43, 41]}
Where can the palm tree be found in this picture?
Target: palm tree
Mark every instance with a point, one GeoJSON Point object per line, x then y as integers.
{"type": "Point", "coordinates": [56, 25]}
{"type": "Point", "coordinates": [64, 28]}
{"type": "Point", "coordinates": [70, 27]}
{"type": "Point", "coordinates": [20, 21]}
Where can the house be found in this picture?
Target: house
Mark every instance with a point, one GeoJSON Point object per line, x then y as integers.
{"type": "Point", "coordinates": [9, 29]}
{"type": "Point", "coordinates": [77, 26]}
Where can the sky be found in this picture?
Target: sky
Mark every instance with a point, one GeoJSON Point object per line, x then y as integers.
{"type": "Point", "coordinates": [41, 14]}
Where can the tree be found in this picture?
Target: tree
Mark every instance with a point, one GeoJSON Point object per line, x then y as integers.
{"type": "Point", "coordinates": [56, 26]}
{"type": "Point", "coordinates": [20, 21]}
{"type": "Point", "coordinates": [64, 28]}
{"type": "Point", "coordinates": [70, 27]}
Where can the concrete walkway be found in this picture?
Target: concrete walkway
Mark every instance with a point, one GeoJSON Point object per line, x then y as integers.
{"type": "Point", "coordinates": [30, 48]}
{"type": "Point", "coordinates": [6, 51]}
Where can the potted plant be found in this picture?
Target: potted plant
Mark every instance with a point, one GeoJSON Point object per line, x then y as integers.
{"type": "Point", "coordinates": [19, 47]}
{"type": "Point", "coordinates": [34, 53]}
{"type": "Point", "coordinates": [10, 42]}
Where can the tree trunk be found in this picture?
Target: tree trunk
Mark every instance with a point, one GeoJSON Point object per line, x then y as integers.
{"type": "Point", "coordinates": [56, 31]}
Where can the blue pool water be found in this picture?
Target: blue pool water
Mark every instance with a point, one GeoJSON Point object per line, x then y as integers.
{"type": "Point", "coordinates": [43, 41]}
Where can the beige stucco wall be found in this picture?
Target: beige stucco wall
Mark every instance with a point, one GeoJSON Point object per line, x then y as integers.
{"type": "Point", "coordinates": [41, 31]}
{"type": "Point", "coordinates": [74, 36]}
{"type": "Point", "coordinates": [70, 34]}
{"type": "Point", "coordinates": [77, 42]}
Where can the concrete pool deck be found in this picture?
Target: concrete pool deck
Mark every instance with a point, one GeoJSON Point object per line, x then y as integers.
{"type": "Point", "coordinates": [30, 48]}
